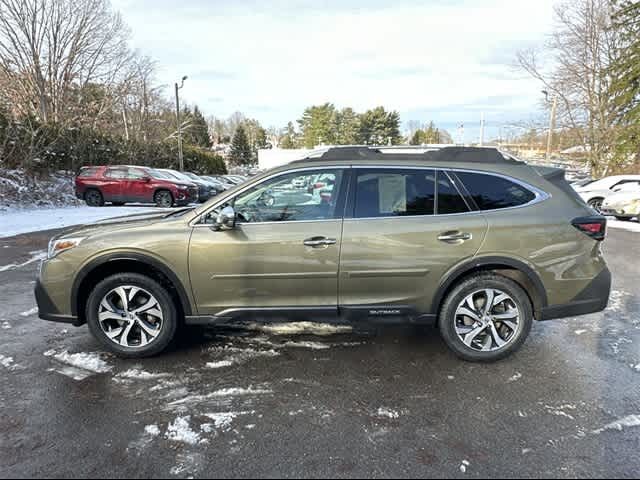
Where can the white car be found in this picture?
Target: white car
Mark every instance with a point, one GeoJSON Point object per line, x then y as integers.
{"type": "Point", "coordinates": [595, 193]}
{"type": "Point", "coordinates": [624, 204]}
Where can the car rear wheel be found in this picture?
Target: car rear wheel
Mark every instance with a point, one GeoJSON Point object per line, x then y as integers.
{"type": "Point", "coordinates": [132, 315]}
{"type": "Point", "coordinates": [486, 318]}
{"type": "Point", "coordinates": [163, 199]}
{"type": "Point", "coordinates": [596, 204]}
{"type": "Point", "coordinates": [94, 198]}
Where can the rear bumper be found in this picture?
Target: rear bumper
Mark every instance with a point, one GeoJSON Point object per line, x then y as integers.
{"type": "Point", "coordinates": [594, 298]}
{"type": "Point", "coordinates": [47, 309]}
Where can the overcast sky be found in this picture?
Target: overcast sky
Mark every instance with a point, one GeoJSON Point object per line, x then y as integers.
{"type": "Point", "coordinates": [442, 60]}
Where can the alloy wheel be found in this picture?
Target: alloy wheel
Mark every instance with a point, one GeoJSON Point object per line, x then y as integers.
{"type": "Point", "coordinates": [487, 320]}
{"type": "Point", "coordinates": [596, 204]}
{"type": "Point", "coordinates": [130, 316]}
{"type": "Point", "coordinates": [164, 200]}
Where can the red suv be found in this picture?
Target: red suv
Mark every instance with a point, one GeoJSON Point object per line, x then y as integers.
{"type": "Point", "coordinates": [122, 184]}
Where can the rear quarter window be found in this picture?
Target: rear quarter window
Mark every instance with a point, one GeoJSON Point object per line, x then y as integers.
{"type": "Point", "coordinates": [490, 192]}
{"type": "Point", "coordinates": [88, 172]}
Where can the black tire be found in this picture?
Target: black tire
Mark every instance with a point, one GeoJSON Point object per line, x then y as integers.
{"type": "Point", "coordinates": [118, 204]}
{"type": "Point", "coordinates": [447, 320]}
{"type": "Point", "coordinates": [624, 219]}
{"type": "Point", "coordinates": [596, 204]}
{"type": "Point", "coordinates": [166, 303]}
{"type": "Point", "coordinates": [163, 199]}
{"type": "Point", "coordinates": [94, 198]}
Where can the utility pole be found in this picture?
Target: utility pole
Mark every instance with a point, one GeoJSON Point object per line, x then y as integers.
{"type": "Point", "coordinates": [482, 129]}
{"type": "Point", "coordinates": [180, 156]}
{"type": "Point", "coordinates": [552, 123]}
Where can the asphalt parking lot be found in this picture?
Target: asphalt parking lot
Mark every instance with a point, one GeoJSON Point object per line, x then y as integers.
{"type": "Point", "coordinates": [384, 402]}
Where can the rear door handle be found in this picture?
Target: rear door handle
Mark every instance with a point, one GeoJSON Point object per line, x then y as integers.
{"type": "Point", "coordinates": [455, 237]}
{"type": "Point", "coordinates": [317, 242]}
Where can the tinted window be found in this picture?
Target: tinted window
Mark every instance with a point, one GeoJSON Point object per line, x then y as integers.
{"type": "Point", "coordinates": [88, 172]}
{"type": "Point", "coordinates": [136, 174]}
{"type": "Point", "coordinates": [391, 193]}
{"type": "Point", "coordinates": [291, 197]}
{"type": "Point", "coordinates": [116, 173]}
{"type": "Point", "coordinates": [449, 199]}
{"type": "Point", "coordinates": [491, 192]}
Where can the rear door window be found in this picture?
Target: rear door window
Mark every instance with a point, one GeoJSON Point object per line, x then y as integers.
{"type": "Point", "coordinates": [490, 192]}
{"type": "Point", "coordinates": [449, 198]}
{"type": "Point", "coordinates": [88, 172]}
{"type": "Point", "coordinates": [394, 193]}
{"type": "Point", "coordinates": [118, 173]}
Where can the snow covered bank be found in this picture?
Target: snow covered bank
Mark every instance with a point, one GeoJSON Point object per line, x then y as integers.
{"type": "Point", "coordinates": [15, 221]}
{"type": "Point", "coordinates": [632, 226]}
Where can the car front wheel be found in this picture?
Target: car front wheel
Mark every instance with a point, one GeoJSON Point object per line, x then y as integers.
{"type": "Point", "coordinates": [486, 318]}
{"type": "Point", "coordinates": [94, 198]}
{"type": "Point", "coordinates": [163, 199]}
{"type": "Point", "coordinates": [132, 315]}
{"type": "Point", "coordinates": [596, 204]}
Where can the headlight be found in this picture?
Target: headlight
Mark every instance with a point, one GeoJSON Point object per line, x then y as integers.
{"type": "Point", "coordinates": [59, 245]}
{"type": "Point", "coordinates": [182, 187]}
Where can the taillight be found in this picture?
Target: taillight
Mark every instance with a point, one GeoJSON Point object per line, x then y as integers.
{"type": "Point", "coordinates": [595, 227]}
{"type": "Point", "coordinates": [319, 185]}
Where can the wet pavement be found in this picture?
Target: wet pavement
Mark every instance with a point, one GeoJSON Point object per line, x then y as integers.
{"type": "Point", "coordinates": [387, 402]}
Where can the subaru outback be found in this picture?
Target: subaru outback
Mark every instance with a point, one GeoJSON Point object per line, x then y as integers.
{"type": "Point", "coordinates": [468, 239]}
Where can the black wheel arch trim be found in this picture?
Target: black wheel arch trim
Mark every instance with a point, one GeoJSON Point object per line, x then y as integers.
{"type": "Point", "coordinates": [495, 262]}
{"type": "Point", "coordinates": [135, 257]}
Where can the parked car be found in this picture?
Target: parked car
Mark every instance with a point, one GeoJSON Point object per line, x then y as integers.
{"type": "Point", "coordinates": [206, 190]}
{"type": "Point", "coordinates": [594, 193]}
{"type": "Point", "coordinates": [124, 184]}
{"type": "Point", "coordinates": [624, 204]}
{"type": "Point", "coordinates": [234, 179]}
{"type": "Point", "coordinates": [469, 239]}
{"type": "Point", "coordinates": [223, 182]}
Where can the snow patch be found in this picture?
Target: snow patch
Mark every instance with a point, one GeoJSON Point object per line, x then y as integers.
{"type": "Point", "coordinates": [224, 393]}
{"type": "Point", "coordinates": [137, 374]}
{"type": "Point", "coordinates": [152, 430]}
{"type": "Point", "coordinates": [224, 420]}
{"type": "Point", "coordinates": [580, 332]}
{"type": "Point", "coordinates": [29, 313]}
{"type": "Point", "coordinates": [384, 412]}
{"type": "Point", "coordinates": [221, 364]}
{"type": "Point", "coordinates": [74, 373]}
{"type": "Point", "coordinates": [515, 378]}
{"type": "Point", "coordinates": [5, 326]}
{"type": "Point", "coordinates": [7, 362]}
{"type": "Point", "coordinates": [464, 466]}
{"type": "Point", "coordinates": [180, 431]}
{"type": "Point", "coordinates": [302, 328]}
{"type": "Point", "coordinates": [560, 411]}
{"type": "Point", "coordinates": [21, 221]}
{"type": "Point", "coordinates": [35, 257]}
{"type": "Point", "coordinates": [629, 226]}
{"type": "Point", "coordinates": [309, 345]}
{"type": "Point", "coordinates": [619, 425]}
{"type": "Point", "coordinates": [90, 362]}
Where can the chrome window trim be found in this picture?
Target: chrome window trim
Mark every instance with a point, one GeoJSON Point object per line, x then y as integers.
{"type": "Point", "coordinates": [195, 222]}
{"type": "Point", "coordinates": [541, 195]}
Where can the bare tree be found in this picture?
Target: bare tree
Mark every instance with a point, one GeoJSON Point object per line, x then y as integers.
{"type": "Point", "coordinates": [51, 51]}
{"type": "Point", "coordinates": [574, 66]}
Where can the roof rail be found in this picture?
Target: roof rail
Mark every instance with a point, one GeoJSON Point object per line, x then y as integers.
{"type": "Point", "coordinates": [487, 155]}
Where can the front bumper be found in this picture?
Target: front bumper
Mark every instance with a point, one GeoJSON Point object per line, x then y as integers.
{"type": "Point", "coordinates": [594, 298]}
{"type": "Point", "coordinates": [47, 309]}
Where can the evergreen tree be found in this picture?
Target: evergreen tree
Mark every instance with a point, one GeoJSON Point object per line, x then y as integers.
{"type": "Point", "coordinates": [289, 138]}
{"type": "Point", "coordinates": [379, 127]}
{"type": "Point", "coordinates": [197, 130]}
{"type": "Point", "coordinates": [626, 87]}
{"type": "Point", "coordinates": [318, 125]}
{"type": "Point", "coordinates": [241, 153]}
{"type": "Point", "coordinates": [347, 126]}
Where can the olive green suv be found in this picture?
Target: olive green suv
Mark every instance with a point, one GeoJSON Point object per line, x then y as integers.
{"type": "Point", "coordinates": [470, 239]}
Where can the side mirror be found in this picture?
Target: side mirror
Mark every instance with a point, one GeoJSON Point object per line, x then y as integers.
{"type": "Point", "coordinates": [226, 219]}
{"type": "Point", "coordinates": [147, 179]}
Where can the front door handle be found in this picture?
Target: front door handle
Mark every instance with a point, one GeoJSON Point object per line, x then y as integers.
{"type": "Point", "coordinates": [317, 242]}
{"type": "Point", "coordinates": [455, 237]}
